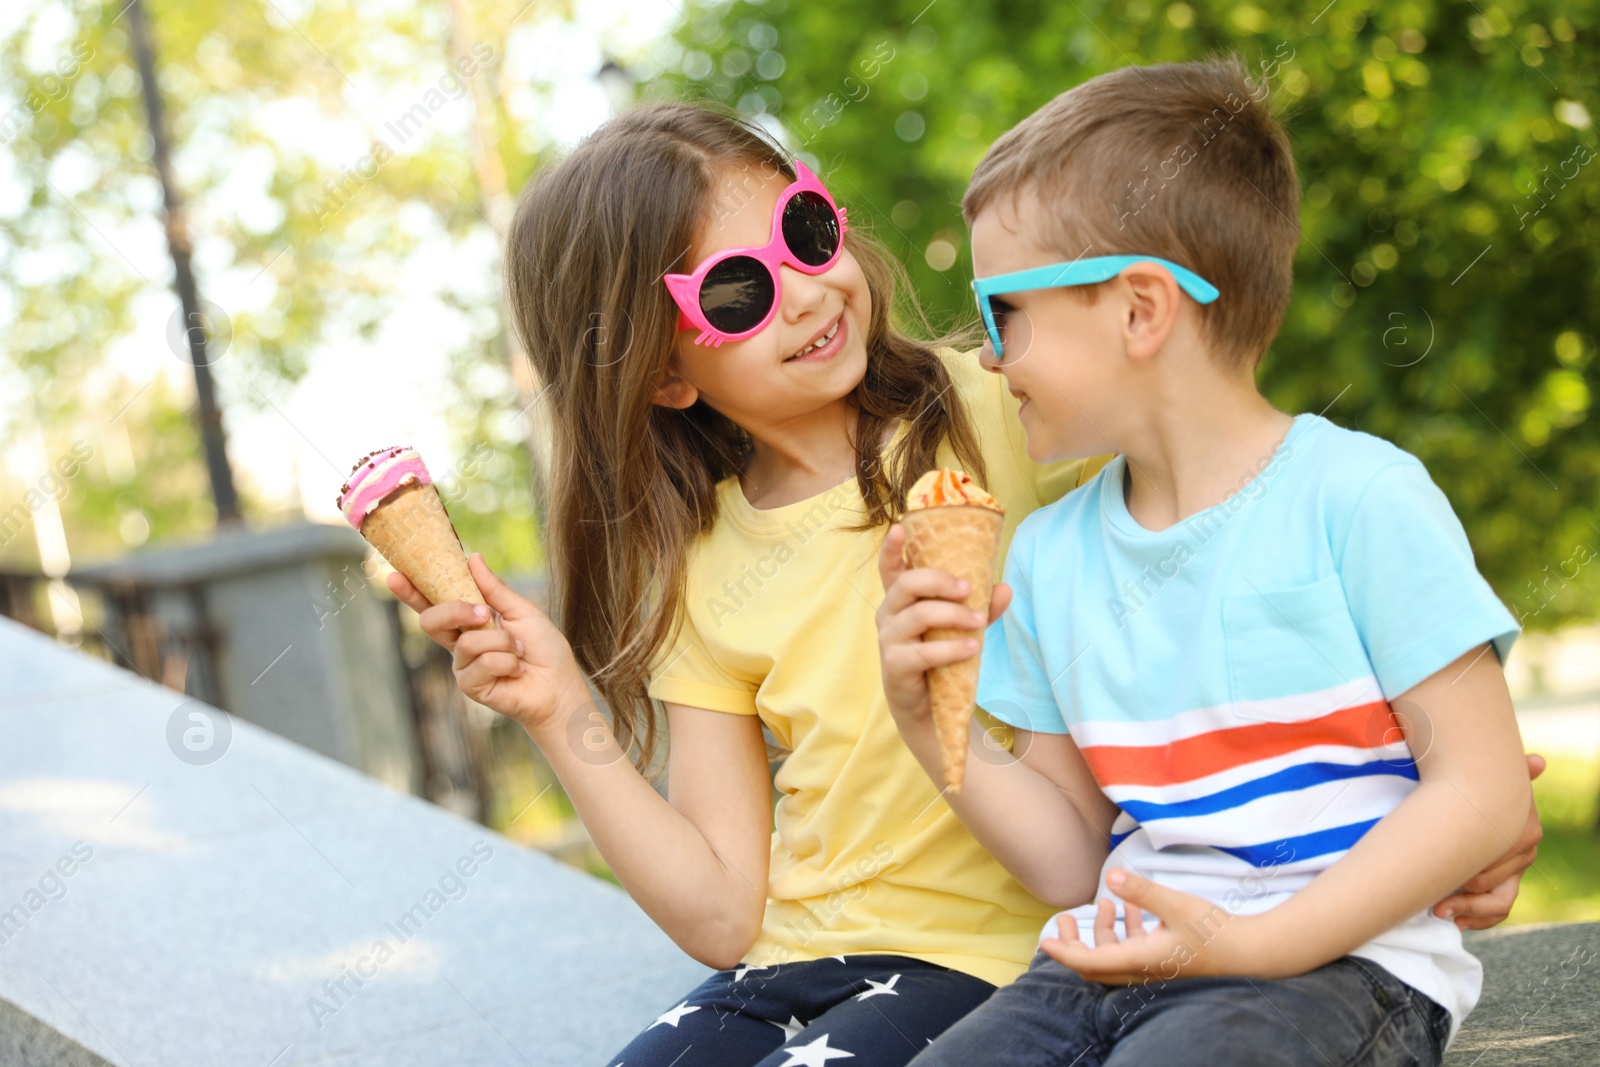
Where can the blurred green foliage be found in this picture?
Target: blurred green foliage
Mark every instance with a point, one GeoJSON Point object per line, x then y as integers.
{"type": "Point", "coordinates": [1451, 209]}
{"type": "Point", "coordinates": [1564, 885]}
{"type": "Point", "coordinates": [117, 501]}
{"type": "Point", "coordinates": [1450, 214]}
{"type": "Point", "coordinates": [316, 248]}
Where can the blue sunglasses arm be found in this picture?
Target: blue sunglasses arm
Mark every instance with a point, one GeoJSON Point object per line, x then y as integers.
{"type": "Point", "coordinates": [1089, 271]}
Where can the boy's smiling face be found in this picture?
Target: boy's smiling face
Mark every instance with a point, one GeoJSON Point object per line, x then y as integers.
{"type": "Point", "coordinates": [1063, 355]}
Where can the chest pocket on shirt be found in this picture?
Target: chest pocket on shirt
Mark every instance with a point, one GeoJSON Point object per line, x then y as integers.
{"type": "Point", "coordinates": [1285, 644]}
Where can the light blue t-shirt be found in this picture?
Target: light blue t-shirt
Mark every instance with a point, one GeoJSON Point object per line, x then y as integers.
{"type": "Point", "coordinates": [1229, 679]}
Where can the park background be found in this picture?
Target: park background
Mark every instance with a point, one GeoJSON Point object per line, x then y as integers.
{"type": "Point", "coordinates": [345, 170]}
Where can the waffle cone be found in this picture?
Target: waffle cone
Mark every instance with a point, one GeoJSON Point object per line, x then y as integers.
{"type": "Point", "coordinates": [411, 529]}
{"type": "Point", "coordinates": [961, 539]}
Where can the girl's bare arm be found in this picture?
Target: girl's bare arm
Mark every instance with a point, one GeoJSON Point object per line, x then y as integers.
{"type": "Point", "coordinates": [695, 861]}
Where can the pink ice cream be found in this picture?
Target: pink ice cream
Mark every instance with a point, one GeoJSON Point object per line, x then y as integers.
{"type": "Point", "coordinates": [375, 476]}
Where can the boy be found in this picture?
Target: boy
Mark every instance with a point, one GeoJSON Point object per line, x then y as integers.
{"type": "Point", "coordinates": [1252, 654]}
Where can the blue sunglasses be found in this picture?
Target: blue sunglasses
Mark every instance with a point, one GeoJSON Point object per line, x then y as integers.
{"type": "Point", "coordinates": [1075, 272]}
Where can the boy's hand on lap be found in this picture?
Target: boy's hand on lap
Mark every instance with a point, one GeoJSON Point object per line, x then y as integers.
{"type": "Point", "coordinates": [1160, 954]}
{"type": "Point", "coordinates": [524, 669]}
{"type": "Point", "coordinates": [1195, 938]}
{"type": "Point", "coordinates": [915, 600]}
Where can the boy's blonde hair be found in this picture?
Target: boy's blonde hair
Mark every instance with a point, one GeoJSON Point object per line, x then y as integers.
{"type": "Point", "coordinates": [1184, 161]}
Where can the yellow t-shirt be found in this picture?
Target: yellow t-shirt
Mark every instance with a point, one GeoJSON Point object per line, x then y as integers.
{"type": "Point", "coordinates": [778, 621]}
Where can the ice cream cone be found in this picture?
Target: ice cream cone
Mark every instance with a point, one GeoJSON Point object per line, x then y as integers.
{"type": "Point", "coordinates": [963, 540]}
{"type": "Point", "coordinates": [411, 530]}
{"type": "Point", "coordinates": [392, 501]}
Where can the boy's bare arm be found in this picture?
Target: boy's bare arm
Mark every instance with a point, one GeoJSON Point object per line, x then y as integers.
{"type": "Point", "coordinates": [1470, 805]}
{"type": "Point", "coordinates": [1486, 899]}
{"type": "Point", "coordinates": [1039, 812]}
{"type": "Point", "coordinates": [1041, 815]}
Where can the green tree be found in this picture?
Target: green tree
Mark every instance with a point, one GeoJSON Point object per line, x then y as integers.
{"type": "Point", "coordinates": [1450, 213]}
{"type": "Point", "coordinates": [310, 248]}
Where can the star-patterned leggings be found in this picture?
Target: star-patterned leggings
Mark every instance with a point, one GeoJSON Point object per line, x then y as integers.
{"type": "Point", "coordinates": [875, 1011]}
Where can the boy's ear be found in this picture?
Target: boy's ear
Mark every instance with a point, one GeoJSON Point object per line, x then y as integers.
{"type": "Point", "coordinates": [674, 392]}
{"type": "Point", "coordinates": [1154, 300]}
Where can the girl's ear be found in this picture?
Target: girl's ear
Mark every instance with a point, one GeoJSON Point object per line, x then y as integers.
{"type": "Point", "coordinates": [674, 392]}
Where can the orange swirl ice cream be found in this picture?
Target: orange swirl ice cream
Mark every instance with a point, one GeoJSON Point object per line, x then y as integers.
{"type": "Point", "coordinates": [942, 488]}
{"type": "Point", "coordinates": [953, 524]}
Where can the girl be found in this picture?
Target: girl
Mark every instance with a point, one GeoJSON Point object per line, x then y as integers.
{"type": "Point", "coordinates": [732, 434]}
{"type": "Point", "coordinates": [735, 424]}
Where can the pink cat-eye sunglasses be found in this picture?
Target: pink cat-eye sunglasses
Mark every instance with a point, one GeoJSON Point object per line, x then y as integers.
{"type": "Point", "coordinates": [734, 293]}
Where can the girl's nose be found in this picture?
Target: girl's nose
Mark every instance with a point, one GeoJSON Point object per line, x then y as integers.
{"type": "Point", "coordinates": [802, 293]}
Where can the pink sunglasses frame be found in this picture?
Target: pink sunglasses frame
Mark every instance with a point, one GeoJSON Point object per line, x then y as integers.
{"type": "Point", "coordinates": [685, 288]}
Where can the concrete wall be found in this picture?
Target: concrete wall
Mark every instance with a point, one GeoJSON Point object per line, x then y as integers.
{"type": "Point", "coordinates": [302, 645]}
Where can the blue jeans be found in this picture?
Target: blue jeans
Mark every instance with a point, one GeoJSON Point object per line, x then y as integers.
{"type": "Point", "coordinates": [1351, 1011]}
{"type": "Point", "coordinates": [874, 1010]}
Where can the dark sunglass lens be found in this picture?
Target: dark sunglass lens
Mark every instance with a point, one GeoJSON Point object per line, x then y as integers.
{"type": "Point", "coordinates": [998, 310]}
{"type": "Point", "coordinates": [737, 294]}
{"type": "Point", "coordinates": [811, 228]}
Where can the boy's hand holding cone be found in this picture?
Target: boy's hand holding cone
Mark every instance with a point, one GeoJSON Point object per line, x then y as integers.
{"type": "Point", "coordinates": [951, 525]}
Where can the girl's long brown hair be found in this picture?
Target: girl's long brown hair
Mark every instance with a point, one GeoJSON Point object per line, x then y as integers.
{"type": "Point", "coordinates": [632, 483]}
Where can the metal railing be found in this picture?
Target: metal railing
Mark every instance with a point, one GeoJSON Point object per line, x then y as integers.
{"type": "Point", "coordinates": [459, 747]}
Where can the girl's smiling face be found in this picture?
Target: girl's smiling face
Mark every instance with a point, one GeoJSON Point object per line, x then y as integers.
{"type": "Point", "coordinates": [771, 378]}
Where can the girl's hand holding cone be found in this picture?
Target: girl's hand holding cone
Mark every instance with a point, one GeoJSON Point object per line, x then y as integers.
{"type": "Point", "coordinates": [524, 669]}
{"type": "Point", "coordinates": [521, 667]}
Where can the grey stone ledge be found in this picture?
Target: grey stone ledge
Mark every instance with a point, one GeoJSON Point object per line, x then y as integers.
{"type": "Point", "coordinates": [276, 907]}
